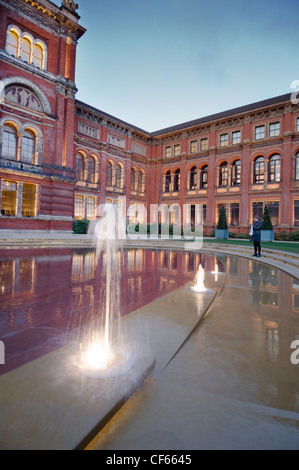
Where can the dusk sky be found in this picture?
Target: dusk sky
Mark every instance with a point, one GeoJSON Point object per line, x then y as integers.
{"type": "Point", "coordinates": [159, 63]}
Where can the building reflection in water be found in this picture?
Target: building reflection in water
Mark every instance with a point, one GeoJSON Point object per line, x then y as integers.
{"type": "Point", "coordinates": [46, 295]}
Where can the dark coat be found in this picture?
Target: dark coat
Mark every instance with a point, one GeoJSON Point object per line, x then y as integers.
{"type": "Point", "coordinates": [257, 226]}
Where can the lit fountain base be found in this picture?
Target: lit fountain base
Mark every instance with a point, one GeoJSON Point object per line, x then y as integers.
{"type": "Point", "coordinates": [204, 290]}
{"type": "Point", "coordinates": [97, 364]}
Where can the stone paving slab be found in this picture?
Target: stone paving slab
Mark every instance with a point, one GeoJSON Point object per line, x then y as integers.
{"type": "Point", "coordinates": [49, 404]}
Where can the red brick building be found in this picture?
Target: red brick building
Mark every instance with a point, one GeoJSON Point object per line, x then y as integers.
{"type": "Point", "coordinates": [60, 158]}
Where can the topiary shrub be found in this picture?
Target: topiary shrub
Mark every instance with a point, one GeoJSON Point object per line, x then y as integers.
{"type": "Point", "coordinates": [267, 224]}
{"type": "Point", "coordinates": [80, 226]}
{"type": "Point", "coordinates": [222, 222]}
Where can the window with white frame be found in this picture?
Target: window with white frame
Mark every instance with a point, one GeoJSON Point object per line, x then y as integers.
{"type": "Point", "coordinates": [25, 47]}
{"type": "Point", "coordinates": [236, 137]}
{"type": "Point", "coordinates": [223, 140]}
{"type": "Point", "coordinates": [259, 132]}
{"type": "Point", "coordinates": [204, 144]}
{"type": "Point", "coordinates": [177, 150]}
{"type": "Point", "coordinates": [274, 129]}
{"type": "Point", "coordinates": [167, 152]}
{"type": "Point", "coordinates": [12, 192]}
{"type": "Point", "coordinates": [193, 146]}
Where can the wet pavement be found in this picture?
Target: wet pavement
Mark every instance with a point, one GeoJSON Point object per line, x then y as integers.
{"type": "Point", "coordinates": [229, 383]}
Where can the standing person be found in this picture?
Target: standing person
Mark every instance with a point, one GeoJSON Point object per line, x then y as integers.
{"type": "Point", "coordinates": [256, 236]}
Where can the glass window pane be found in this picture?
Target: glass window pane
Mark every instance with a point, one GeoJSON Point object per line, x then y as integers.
{"type": "Point", "coordinates": [28, 147]}
{"type": "Point", "coordinates": [28, 200]}
{"type": "Point", "coordinates": [12, 45]}
{"type": "Point", "coordinates": [9, 148]}
{"type": "Point", "coordinates": [296, 213]}
{"type": "Point", "coordinates": [25, 50]}
{"type": "Point", "coordinates": [9, 198]}
{"type": "Point", "coordinates": [274, 212]}
{"type": "Point", "coordinates": [234, 213]}
{"type": "Point", "coordinates": [79, 207]}
{"type": "Point", "coordinates": [257, 209]}
{"type": "Point", "coordinates": [37, 58]}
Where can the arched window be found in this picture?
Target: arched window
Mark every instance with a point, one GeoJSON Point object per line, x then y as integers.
{"type": "Point", "coordinates": [37, 58]}
{"type": "Point", "coordinates": [204, 177]}
{"type": "Point", "coordinates": [141, 182]}
{"type": "Point", "coordinates": [297, 167]}
{"type": "Point", "coordinates": [91, 170]}
{"type": "Point", "coordinates": [12, 46]}
{"type": "Point", "coordinates": [25, 52]}
{"type": "Point", "coordinates": [274, 169]}
{"type": "Point", "coordinates": [79, 167]}
{"type": "Point", "coordinates": [177, 180]}
{"type": "Point", "coordinates": [259, 170]}
{"type": "Point", "coordinates": [118, 176]}
{"type": "Point", "coordinates": [236, 173]}
{"type": "Point", "coordinates": [9, 148]}
{"type": "Point", "coordinates": [193, 178]}
{"type": "Point", "coordinates": [28, 147]}
{"type": "Point", "coordinates": [223, 174]}
{"type": "Point", "coordinates": [109, 174]}
{"type": "Point", "coordinates": [167, 184]}
{"type": "Point", "coordinates": [133, 179]}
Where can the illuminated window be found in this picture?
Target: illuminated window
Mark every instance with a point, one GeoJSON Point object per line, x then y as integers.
{"type": "Point", "coordinates": [133, 179]}
{"type": "Point", "coordinates": [167, 182]}
{"type": "Point", "coordinates": [28, 200]}
{"type": "Point", "coordinates": [79, 207]}
{"type": "Point", "coordinates": [236, 173]}
{"type": "Point", "coordinates": [141, 182]}
{"type": "Point", "coordinates": [274, 169]}
{"type": "Point", "coordinates": [28, 147]}
{"type": "Point", "coordinates": [204, 177]}
{"type": "Point", "coordinates": [177, 180]}
{"type": "Point", "coordinates": [193, 178]}
{"type": "Point", "coordinates": [9, 148]}
{"type": "Point", "coordinates": [25, 51]}
{"type": "Point", "coordinates": [37, 58]}
{"type": "Point", "coordinates": [223, 175]}
{"type": "Point", "coordinates": [90, 208]}
{"type": "Point", "coordinates": [13, 43]}
{"type": "Point", "coordinates": [118, 177]}
{"type": "Point", "coordinates": [273, 207]}
{"type": "Point", "coordinates": [258, 209]}
{"type": "Point", "coordinates": [8, 198]}
{"type": "Point", "coordinates": [259, 170]}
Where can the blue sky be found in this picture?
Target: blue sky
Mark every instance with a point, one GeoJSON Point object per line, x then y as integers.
{"type": "Point", "coordinates": [159, 63]}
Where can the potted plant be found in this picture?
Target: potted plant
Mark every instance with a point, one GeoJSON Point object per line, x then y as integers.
{"type": "Point", "coordinates": [267, 232]}
{"type": "Point", "coordinates": [221, 229]}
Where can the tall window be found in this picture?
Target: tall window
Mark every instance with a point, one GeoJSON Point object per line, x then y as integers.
{"type": "Point", "coordinates": [9, 149]}
{"type": "Point", "coordinates": [25, 51]}
{"type": "Point", "coordinates": [223, 140]}
{"type": "Point", "coordinates": [193, 178]}
{"type": "Point", "coordinates": [258, 209]}
{"type": "Point", "coordinates": [259, 170]}
{"type": "Point", "coordinates": [297, 167]}
{"type": "Point", "coordinates": [296, 213]}
{"type": "Point", "coordinates": [9, 198]}
{"type": "Point", "coordinates": [193, 146]}
{"type": "Point", "coordinates": [204, 144]}
{"type": "Point", "coordinates": [236, 173]}
{"type": "Point", "coordinates": [223, 174]}
{"type": "Point", "coordinates": [109, 174]}
{"type": "Point", "coordinates": [167, 184]}
{"type": "Point", "coordinates": [234, 213]}
{"type": "Point", "coordinates": [133, 179]}
{"type": "Point", "coordinates": [259, 132]}
{"type": "Point", "coordinates": [37, 58]}
{"type": "Point", "coordinates": [274, 169]}
{"type": "Point", "coordinates": [28, 147]}
{"type": "Point", "coordinates": [236, 137]}
{"type": "Point", "coordinates": [79, 167]}
{"type": "Point", "coordinates": [141, 182]}
{"type": "Point", "coordinates": [167, 152]}
{"type": "Point", "coordinates": [204, 177]}
{"type": "Point", "coordinates": [90, 208]}
{"type": "Point", "coordinates": [177, 150]}
{"type": "Point", "coordinates": [79, 207]}
{"type": "Point", "coordinates": [274, 212]}
{"type": "Point", "coordinates": [13, 43]}
{"type": "Point", "coordinates": [177, 180]}
{"type": "Point", "coordinates": [91, 170]}
{"type": "Point", "coordinates": [118, 176]}
{"type": "Point", "coordinates": [28, 200]}
{"type": "Point", "coordinates": [274, 129]}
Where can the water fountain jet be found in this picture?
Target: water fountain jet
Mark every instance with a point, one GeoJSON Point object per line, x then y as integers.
{"type": "Point", "coordinates": [199, 286]}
